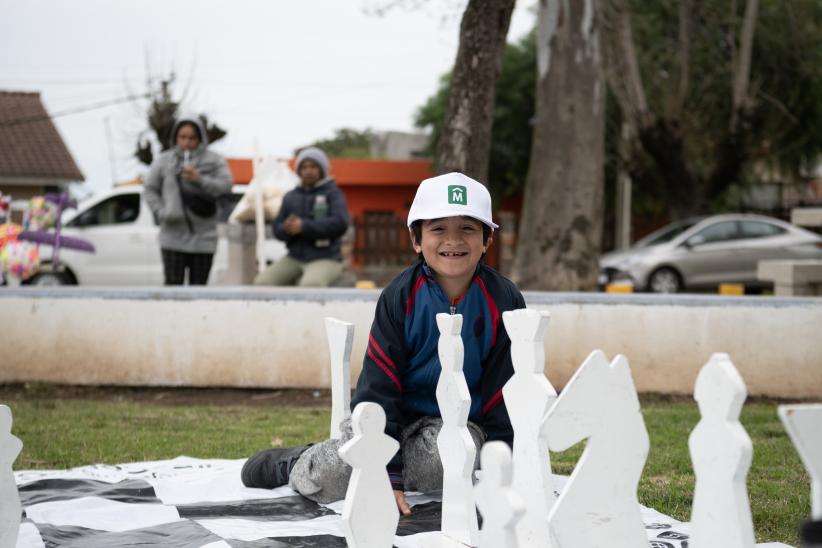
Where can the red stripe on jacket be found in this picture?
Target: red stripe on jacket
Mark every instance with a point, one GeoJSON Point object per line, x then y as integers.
{"type": "Point", "coordinates": [492, 309]}
{"type": "Point", "coordinates": [380, 352]}
{"type": "Point", "coordinates": [495, 400]}
{"type": "Point", "coordinates": [410, 302]}
{"type": "Point", "coordinates": [384, 368]}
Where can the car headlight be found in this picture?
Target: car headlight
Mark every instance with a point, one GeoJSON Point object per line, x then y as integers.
{"type": "Point", "coordinates": [628, 264]}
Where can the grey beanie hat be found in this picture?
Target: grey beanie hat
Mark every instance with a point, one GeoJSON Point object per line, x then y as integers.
{"type": "Point", "coordinates": [313, 153]}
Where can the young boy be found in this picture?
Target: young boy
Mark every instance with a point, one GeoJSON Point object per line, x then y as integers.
{"type": "Point", "coordinates": [451, 227]}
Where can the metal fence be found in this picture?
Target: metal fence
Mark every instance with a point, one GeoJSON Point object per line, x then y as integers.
{"type": "Point", "coordinates": [381, 239]}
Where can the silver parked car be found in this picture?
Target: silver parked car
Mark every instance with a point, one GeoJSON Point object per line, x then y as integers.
{"type": "Point", "coordinates": [703, 252]}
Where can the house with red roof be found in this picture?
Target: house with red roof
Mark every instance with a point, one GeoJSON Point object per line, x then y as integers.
{"type": "Point", "coordinates": [33, 157]}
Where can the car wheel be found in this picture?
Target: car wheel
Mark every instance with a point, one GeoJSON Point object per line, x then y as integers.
{"type": "Point", "coordinates": [665, 280]}
{"type": "Point", "coordinates": [48, 279]}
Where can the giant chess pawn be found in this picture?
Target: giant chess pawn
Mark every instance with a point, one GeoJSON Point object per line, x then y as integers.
{"type": "Point", "coordinates": [500, 505]}
{"type": "Point", "coordinates": [10, 509]}
{"type": "Point", "coordinates": [456, 447]}
{"type": "Point", "coordinates": [721, 452]}
{"type": "Point", "coordinates": [370, 513]}
{"type": "Point", "coordinates": [528, 396]}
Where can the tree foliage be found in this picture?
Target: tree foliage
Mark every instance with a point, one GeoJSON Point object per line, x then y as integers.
{"type": "Point", "coordinates": [162, 113]}
{"type": "Point", "coordinates": [703, 121]}
{"type": "Point", "coordinates": [346, 143]}
{"type": "Point", "coordinates": [783, 130]}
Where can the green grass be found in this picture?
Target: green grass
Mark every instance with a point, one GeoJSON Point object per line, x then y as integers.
{"type": "Point", "coordinates": [64, 433]}
{"type": "Point", "coordinates": [67, 433]}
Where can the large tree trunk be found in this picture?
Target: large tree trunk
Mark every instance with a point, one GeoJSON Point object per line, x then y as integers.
{"type": "Point", "coordinates": [560, 230]}
{"type": "Point", "coordinates": [465, 140]}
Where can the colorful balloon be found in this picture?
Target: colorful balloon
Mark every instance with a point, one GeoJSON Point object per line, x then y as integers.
{"type": "Point", "coordinates": [8, 233]}
{"type": "Point", "coordinates": [41, 214]}
{"type": "Point", "coordinates": [20, 260]}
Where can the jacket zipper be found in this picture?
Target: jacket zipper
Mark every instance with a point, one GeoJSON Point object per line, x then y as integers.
{"type": "Point", "coordinates": [453, 309]}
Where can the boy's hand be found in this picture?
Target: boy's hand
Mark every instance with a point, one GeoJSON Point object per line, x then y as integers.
{"type": "Point", "coordinates": [403, 507]}
{"type": "Point", "coordinates": [293, 225]}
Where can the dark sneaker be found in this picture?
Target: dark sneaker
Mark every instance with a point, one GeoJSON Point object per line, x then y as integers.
{"type": "Point", "coordinates": [270, 468]}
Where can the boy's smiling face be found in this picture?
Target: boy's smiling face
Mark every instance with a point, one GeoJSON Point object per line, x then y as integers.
{"type": "Point", "coordinates": [452, 247]}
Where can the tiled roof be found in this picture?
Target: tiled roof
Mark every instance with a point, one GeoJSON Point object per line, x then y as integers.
{"type": "Point", "coordinates": [30, 145]}
{"type": "Point", "coordinates": [354, 172]}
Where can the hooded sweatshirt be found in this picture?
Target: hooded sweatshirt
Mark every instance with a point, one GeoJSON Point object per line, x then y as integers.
{"type": "Point", "coordinates": [162, 193]}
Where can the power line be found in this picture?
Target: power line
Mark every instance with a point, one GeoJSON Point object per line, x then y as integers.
{"type": "Point", "coordinates": [76, 110]}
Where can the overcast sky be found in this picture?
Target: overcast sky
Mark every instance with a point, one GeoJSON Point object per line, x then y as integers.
{"type": "Point", "coordinates": [286, 72]}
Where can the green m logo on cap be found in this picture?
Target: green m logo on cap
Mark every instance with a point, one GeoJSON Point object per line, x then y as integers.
{"type": "Point", "coordinates": [457, 194]}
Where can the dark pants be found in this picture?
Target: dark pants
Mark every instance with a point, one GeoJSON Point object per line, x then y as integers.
{"type": "Point", "coordinates": [175, 264]}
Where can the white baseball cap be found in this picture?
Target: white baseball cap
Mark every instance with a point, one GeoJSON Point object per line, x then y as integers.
{"type": "Point", "coordinates": [451, 195]}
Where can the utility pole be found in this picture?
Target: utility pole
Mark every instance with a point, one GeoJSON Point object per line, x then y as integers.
{"type": "Point", "coordinates": [624, 189]}
{"type": "Point", "coordinates": [111, 160]}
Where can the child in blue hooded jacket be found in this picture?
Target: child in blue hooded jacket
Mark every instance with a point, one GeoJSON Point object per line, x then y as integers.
{"type": "Point", "coordinates": [451, 228]}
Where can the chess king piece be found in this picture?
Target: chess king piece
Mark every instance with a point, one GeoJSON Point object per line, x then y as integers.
{"type": "Point", "coordinates": [500, 505]}
{"type": "Point", "coordinates": [10, 509]}
{"type": "Point", "coordinates": [721, 452]}
{"type": "Point", "coordinates": [528, 396]}
{"type": "Point", "coordinates": [340, 338]}
{"type": "Point", "coordinates": [454, 442]}
{"type": "Point", "coordinates": [598, 506]}
{"type": "Point", "coordinates": [370, 514]}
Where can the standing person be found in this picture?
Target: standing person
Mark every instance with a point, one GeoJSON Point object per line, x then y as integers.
{"type": "Point", "coordinates": [312, 220]}
{"type": "Point", "coordinates": [451, 227]}
{"type": "Point", "coordinates": [181, 189]}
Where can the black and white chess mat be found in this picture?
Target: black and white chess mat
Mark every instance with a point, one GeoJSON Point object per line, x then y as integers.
{"type": "Point", "coordinates": [187, 502]}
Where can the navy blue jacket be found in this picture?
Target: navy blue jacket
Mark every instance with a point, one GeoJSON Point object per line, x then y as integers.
{"type": "Point", "coordinates": [325, 219]}
{"type": "Point", "coordinates": [401, 367]}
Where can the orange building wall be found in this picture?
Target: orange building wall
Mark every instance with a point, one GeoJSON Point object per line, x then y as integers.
{"type": "Point", "coordinates": [369, 185]}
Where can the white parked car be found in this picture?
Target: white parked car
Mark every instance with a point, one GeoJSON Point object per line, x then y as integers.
{"type": "Point", "coordinates": [120, 225]}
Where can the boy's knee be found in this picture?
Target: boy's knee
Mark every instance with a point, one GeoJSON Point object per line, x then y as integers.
{"type": "Point", "coordinates": [320, 474]}
{"type": "Point", "coordinates": [422, 466]}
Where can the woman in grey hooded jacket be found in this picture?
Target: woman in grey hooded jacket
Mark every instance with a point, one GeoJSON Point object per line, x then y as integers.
{"type": "Point", "coordinates": [181, 188]}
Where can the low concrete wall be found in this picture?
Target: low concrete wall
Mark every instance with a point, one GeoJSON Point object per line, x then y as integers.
{"type": "Point", "coordinates": [276, 337]}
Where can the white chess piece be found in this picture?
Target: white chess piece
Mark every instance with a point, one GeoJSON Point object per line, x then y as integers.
{"type": "Point", "coordinates": [528, 396]}
{"type": "Point", "coordinates": [599, 506]}
{"type": "Point", "coordinates": [454, 442]}
{"type": "Point", "coordinates": [10, 509]}
{"type": "Point", "coordinates": [721, 453]}
{"type": "Point", "coordinates": [500, 505]}
{"type": "Point", "coordinates": [340, 338]}
{"type": "Point", "coordinates": [370, 514]}
{"type": "Point", "coordinates": [804, 426]}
